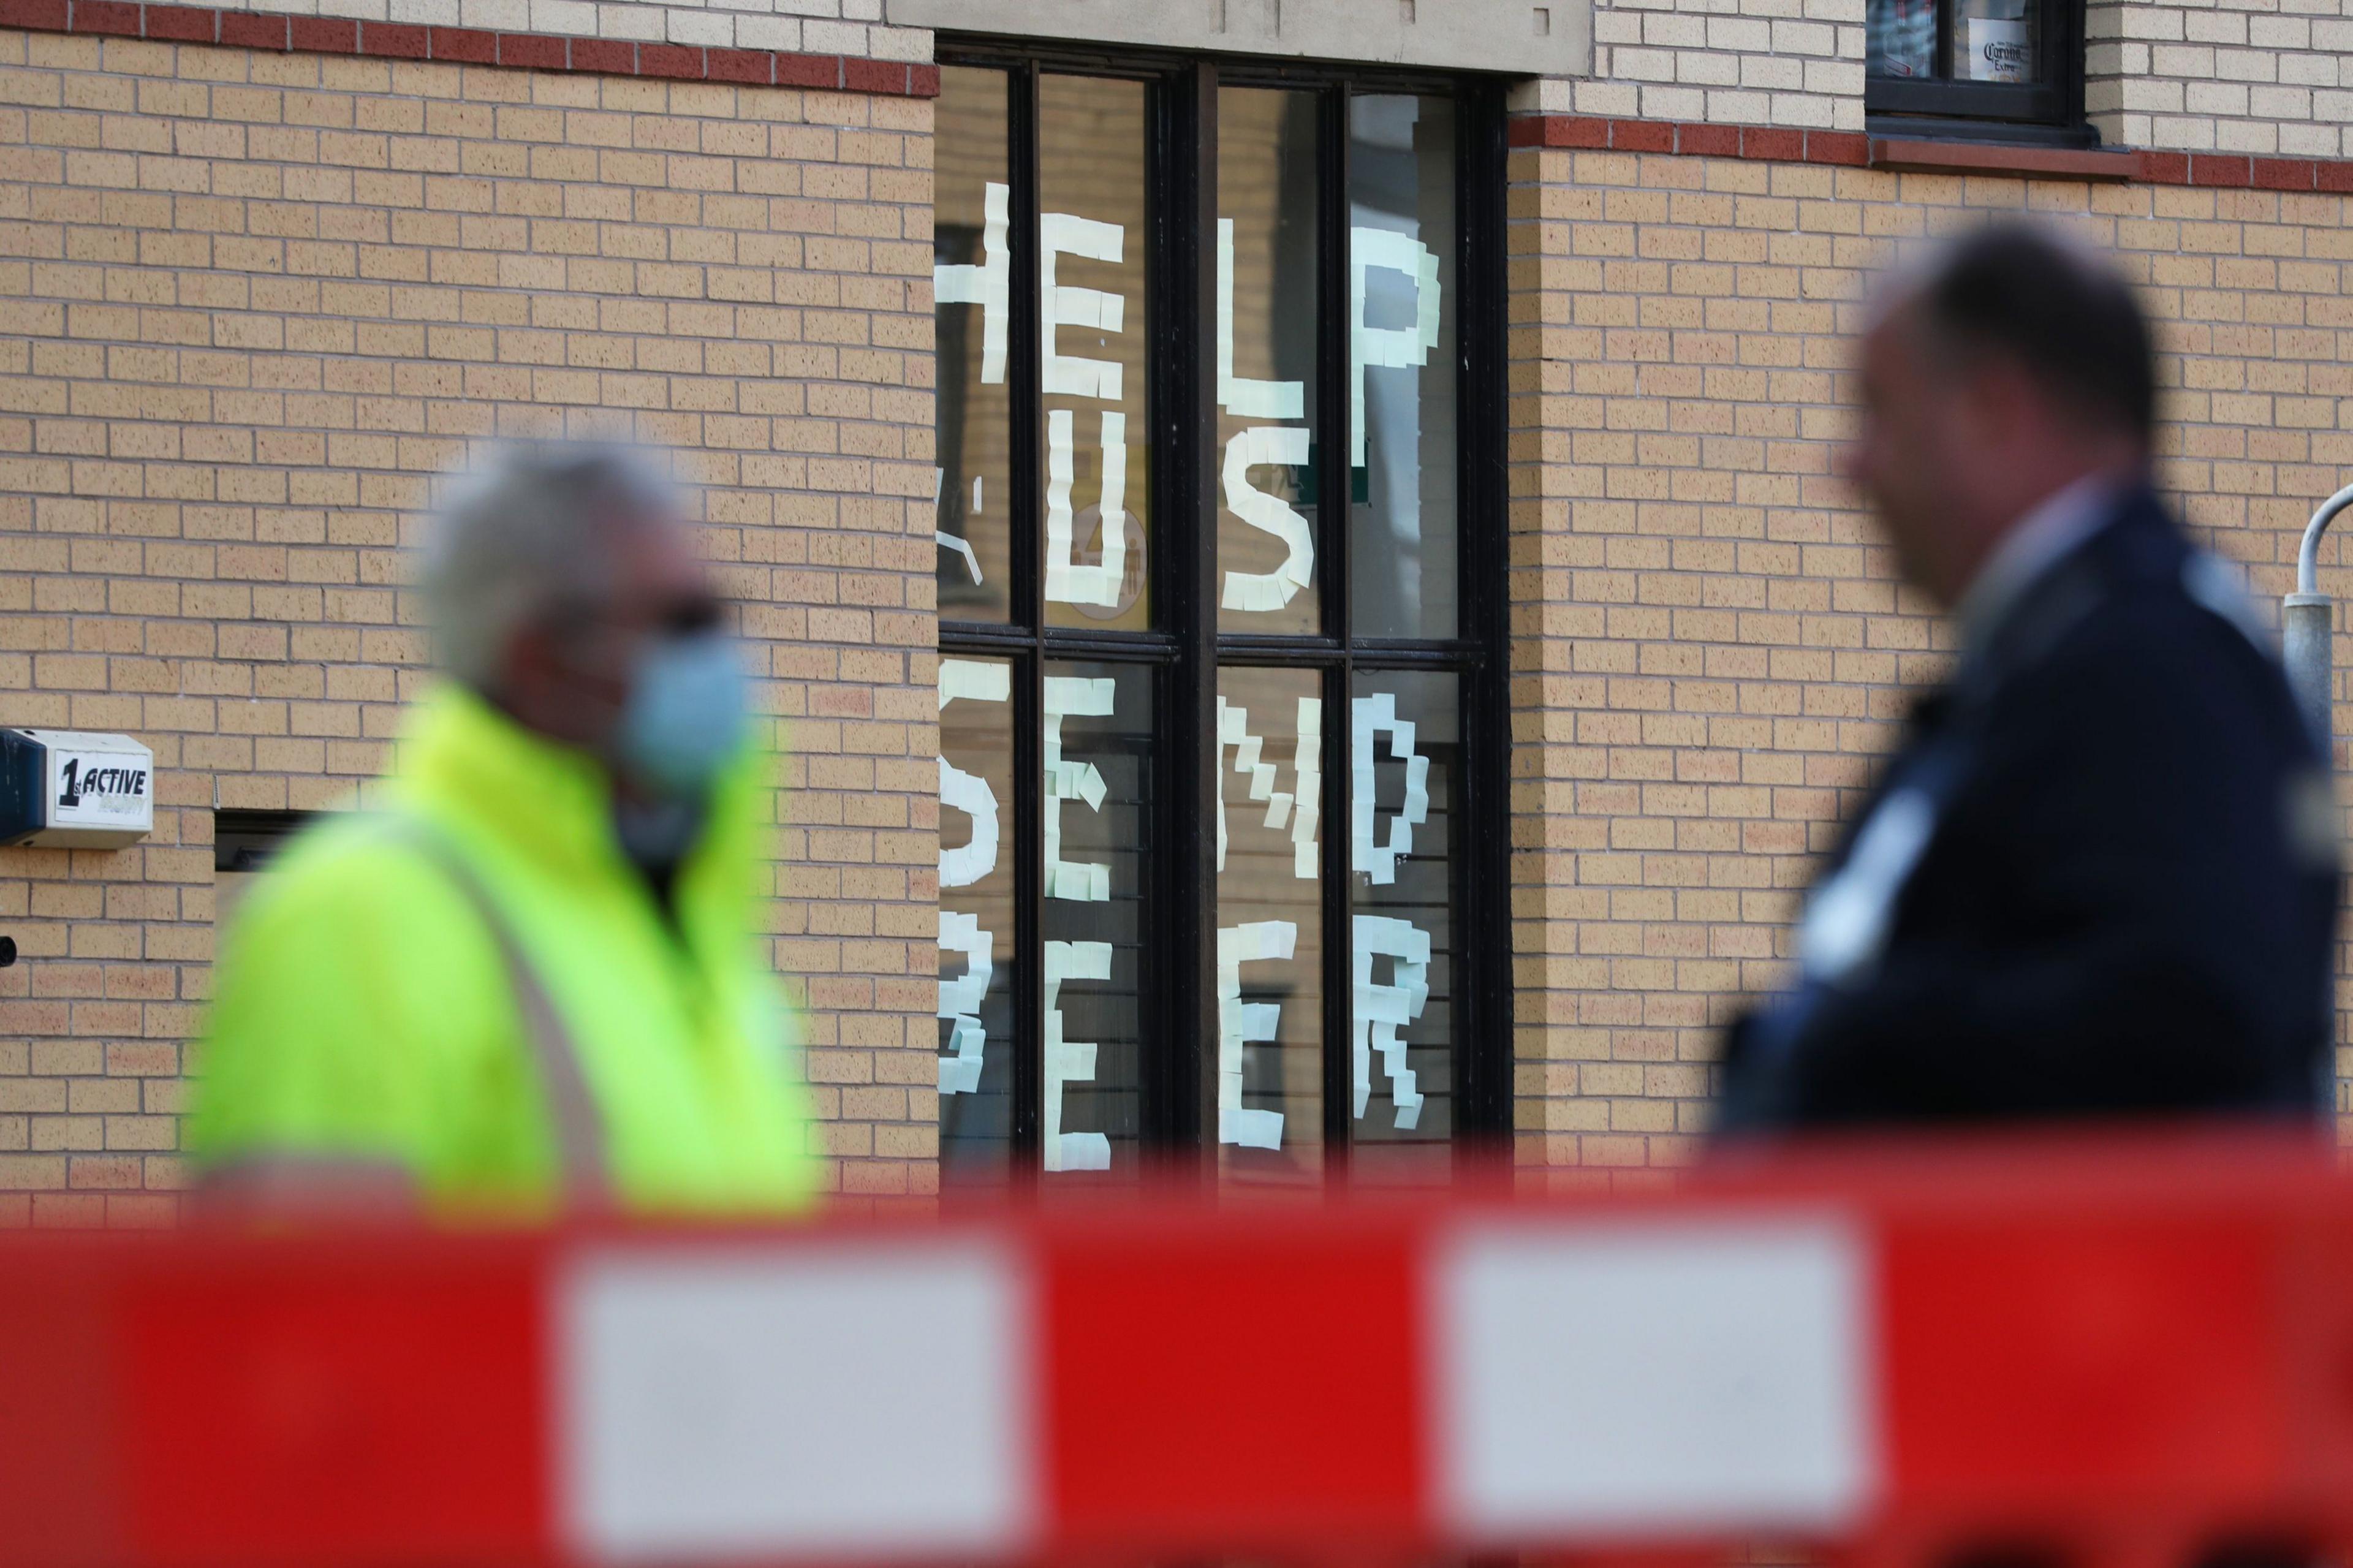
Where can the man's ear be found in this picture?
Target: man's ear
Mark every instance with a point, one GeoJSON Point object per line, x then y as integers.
{"type": "Point", "coordinates": [542, 685]}
{"type": "Point", "coordinates": [531, 682]}
{"type": "Point", "coordinates": [526, 659]}
{"type": "Point", "coordinates": [528, 647]}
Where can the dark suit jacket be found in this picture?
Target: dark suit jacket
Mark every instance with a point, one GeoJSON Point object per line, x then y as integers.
{"type": "Point", "coordinates": [2126, 903]}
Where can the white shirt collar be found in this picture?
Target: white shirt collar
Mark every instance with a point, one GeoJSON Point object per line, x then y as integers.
{"type": "Point", "coordinates": [2060, 522]}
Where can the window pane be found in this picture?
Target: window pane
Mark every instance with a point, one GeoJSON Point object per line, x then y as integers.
{"type": "Point", "coordinates": [1900, 39]}
{"type": "Point", "coordinates": [1270, 1069]}
{"type": "Point", "coordinates": [1405, 772]}
{"type": "Point", "coordinates": [1092, 243]}
{"type": "Point", "coordinates": [978, 959]}
{"type": "Point", "coordinates": [972, 273]}
{"type": "Point", "coordinates": [1267, 203]}
{"type": "Point", "coordinates": [1098, 756]}
{"type": "Point", "coordinates": [1403, 304]}
{"type": "Point", "coordinates": [1993, 40]}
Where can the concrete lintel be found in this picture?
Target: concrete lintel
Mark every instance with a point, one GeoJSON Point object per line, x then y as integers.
{"type": "Point", "coordinates": [1517, 37]}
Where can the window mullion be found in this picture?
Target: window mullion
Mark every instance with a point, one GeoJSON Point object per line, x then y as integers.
{"type": "Point", "coordinates": [1339, 945]}
{"type": "Point", "coordinates": [1335, 518]}
{"type": "Point", "coordinates": [1334, 514]}
{"type": "Point", "coordinates": [1179, 1114]}
{"type": "Point", "coordinates": [2059, 43]}
{"type": "Point", "coordinates": [1483, 868]}
{"type": "Point", "coordinates": [1029, 755]}
{"type": "Point", "coordinates": [1021, 169]}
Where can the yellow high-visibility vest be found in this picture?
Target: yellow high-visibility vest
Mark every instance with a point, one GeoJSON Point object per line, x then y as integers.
{"type": "Point", "coordinates": [413, 984]}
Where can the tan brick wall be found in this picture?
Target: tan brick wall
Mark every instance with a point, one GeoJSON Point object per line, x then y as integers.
{"type": "Point", "coordinates": [248, 304]}
{"type": "Point", "coordinates": [1708, 647]}
{"type": "Point", "coordinates": [1796, 63]}
{"type": "Point", "coordinates": [2261, 77]}
{"type": "Point", "coordinates": [850, 27]}
{"type": "Point", "coordinates": [2268, 77]}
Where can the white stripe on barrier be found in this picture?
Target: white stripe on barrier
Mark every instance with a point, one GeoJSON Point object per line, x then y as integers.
{"type": "Point", "coordinates": [1652, 1381]}
{"type": "Point", "coordinates": [872, 1398]}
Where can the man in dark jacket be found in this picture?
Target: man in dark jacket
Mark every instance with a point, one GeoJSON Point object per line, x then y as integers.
{"type": "Point", "coordinates": [2099, 877]}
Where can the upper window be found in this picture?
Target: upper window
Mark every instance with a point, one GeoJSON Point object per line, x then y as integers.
{"type": "Point", "coordinates": [2007, 68]}
{"type": "Point", "coordinates": [1220, 524]}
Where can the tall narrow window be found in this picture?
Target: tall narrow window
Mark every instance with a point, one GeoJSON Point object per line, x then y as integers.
{"type": "Point", "coordinates": [1092, 271]}
{"type": "Point", "coordinates": [972, 273]}
{"type": "Point", "coordinates": [1243, 558]}
{"type": "Point", "coordinates": [1402, 363]}
{"type": "Point", "coordinates": [1098, 861]}
{"type": "Point", "coordinates": [1268, 394]}
{"type": "Point", "coordinates": [1404, 938]}
{"type": "Point", "coordinates": [1271, 935]}
{"type": "Point", "coordinates": [980, 958]}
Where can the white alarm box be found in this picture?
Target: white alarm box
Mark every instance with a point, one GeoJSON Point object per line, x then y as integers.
{"type": "Point", "coordinates": [74, 789]}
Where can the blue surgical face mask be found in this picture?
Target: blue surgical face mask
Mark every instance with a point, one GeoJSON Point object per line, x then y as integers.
{"type": "Point", "coordinates": [684, 718]}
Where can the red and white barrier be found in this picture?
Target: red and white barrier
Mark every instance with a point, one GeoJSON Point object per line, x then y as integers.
{"type": "Point", "coordinates": [2158, 1337]}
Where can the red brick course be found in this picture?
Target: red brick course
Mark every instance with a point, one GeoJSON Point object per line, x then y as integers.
{"type": "Point", "coordinates": [468, 46]}
{"type": "Point", "coordinates": [1855, 150]}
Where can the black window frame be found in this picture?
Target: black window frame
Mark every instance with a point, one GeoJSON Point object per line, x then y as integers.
{"type": "Point", "coordinates": [1177, 975]}
{"type": "Point", "coordinates": [247, 841]}
{"type": "Point", "coordinates": [2046, 113]}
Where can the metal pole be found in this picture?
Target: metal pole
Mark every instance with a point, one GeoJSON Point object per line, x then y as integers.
{"type": "Point", "coordinates": [2308, 621]}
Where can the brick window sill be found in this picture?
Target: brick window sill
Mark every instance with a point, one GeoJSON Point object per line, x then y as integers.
{"type": "Point", "coordinates": [2002, 158]}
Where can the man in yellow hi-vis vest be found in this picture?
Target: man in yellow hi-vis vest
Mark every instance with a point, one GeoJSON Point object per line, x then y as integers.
{"type": "Point", "coordinates": [532, 980]}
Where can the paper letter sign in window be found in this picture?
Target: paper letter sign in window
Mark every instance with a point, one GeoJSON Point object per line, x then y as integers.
{"type": "Point", "coordinates": [978, 964]}
{"type": "Point", "coordinates": [1402, 365]}
{"type": "Point", "coordinates": [1267, 327]}
{"type": "Point", "coordinates": [1220, 610]}
{"type": "Point", "coordinates": [1092, 276]}
{"type": "Point", "coordinates": [1098, 751]}
{"type": "Point", "coordinates": [1270, 932]}
{"type": "Point", "coordinates": [972, 287]}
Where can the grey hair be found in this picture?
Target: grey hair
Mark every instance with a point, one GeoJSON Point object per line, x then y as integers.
{"type": "Point", "coordinates": [525, 533]}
